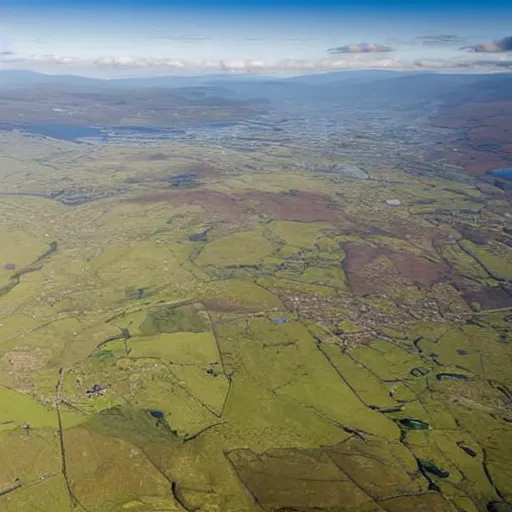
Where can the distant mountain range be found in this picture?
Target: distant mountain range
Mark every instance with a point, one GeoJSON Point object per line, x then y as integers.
{"type": "Point", "coordinates": [365, 85]}
{"type": "Point", "coordinates": [19, 77]}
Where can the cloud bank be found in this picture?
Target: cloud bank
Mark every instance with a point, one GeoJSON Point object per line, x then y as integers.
{"type": "Point", "coordinates": [360, 48]}
{"type": "Point", "coordinates": [501, 46]}
{"type": "Point", "coordinates": [341, 61]}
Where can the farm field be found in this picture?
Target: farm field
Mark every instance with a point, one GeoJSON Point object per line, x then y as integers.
{"type": "Point", "coordinates": [202, 329]}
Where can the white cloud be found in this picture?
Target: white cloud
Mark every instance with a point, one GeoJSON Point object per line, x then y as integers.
{"type": "Point", "coordinates": [46, 59]}
{"type": "Point", "coordinates": [503, 45]}
{"type": "Point", "coordinates": [336, 62]}
{"type": "Point", "coordinates": [360, 48]}
{"type": "Point", "coordinates": [138, 62]}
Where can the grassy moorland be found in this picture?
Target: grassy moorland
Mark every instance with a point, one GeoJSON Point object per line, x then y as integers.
{"type": "Point", "coordinates": [261, 338]}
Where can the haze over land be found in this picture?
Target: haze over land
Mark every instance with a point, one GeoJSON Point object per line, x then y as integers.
{"type": "Point", "coordinates": [242, 292]}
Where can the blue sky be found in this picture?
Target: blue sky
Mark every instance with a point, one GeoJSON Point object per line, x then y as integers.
{"type": "Point", "coordinates": [137, 37]}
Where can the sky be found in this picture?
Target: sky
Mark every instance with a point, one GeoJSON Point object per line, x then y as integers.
{"type": "Point", "coordinates": [147, 37]}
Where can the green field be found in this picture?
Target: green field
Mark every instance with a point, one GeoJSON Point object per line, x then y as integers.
{"type": "Point", "coordinates": [237, 347]}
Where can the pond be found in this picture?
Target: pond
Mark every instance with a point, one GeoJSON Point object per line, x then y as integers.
{"type": "Point", "coordinates": [505, 174]}
{"type": "Point", "coordinates": [413, 424]}
{"type": "Point", "coordinates": [453, 376]}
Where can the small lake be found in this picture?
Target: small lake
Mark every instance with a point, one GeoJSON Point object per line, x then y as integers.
{"type": "Point", "coordinates": [74, 133]}
{"type": "Point", "coordinates": [505, 174]}
{"type": "Point", "coordinates": [105, 134]}
{"type": "Point", "coordinates": [56, 131]}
